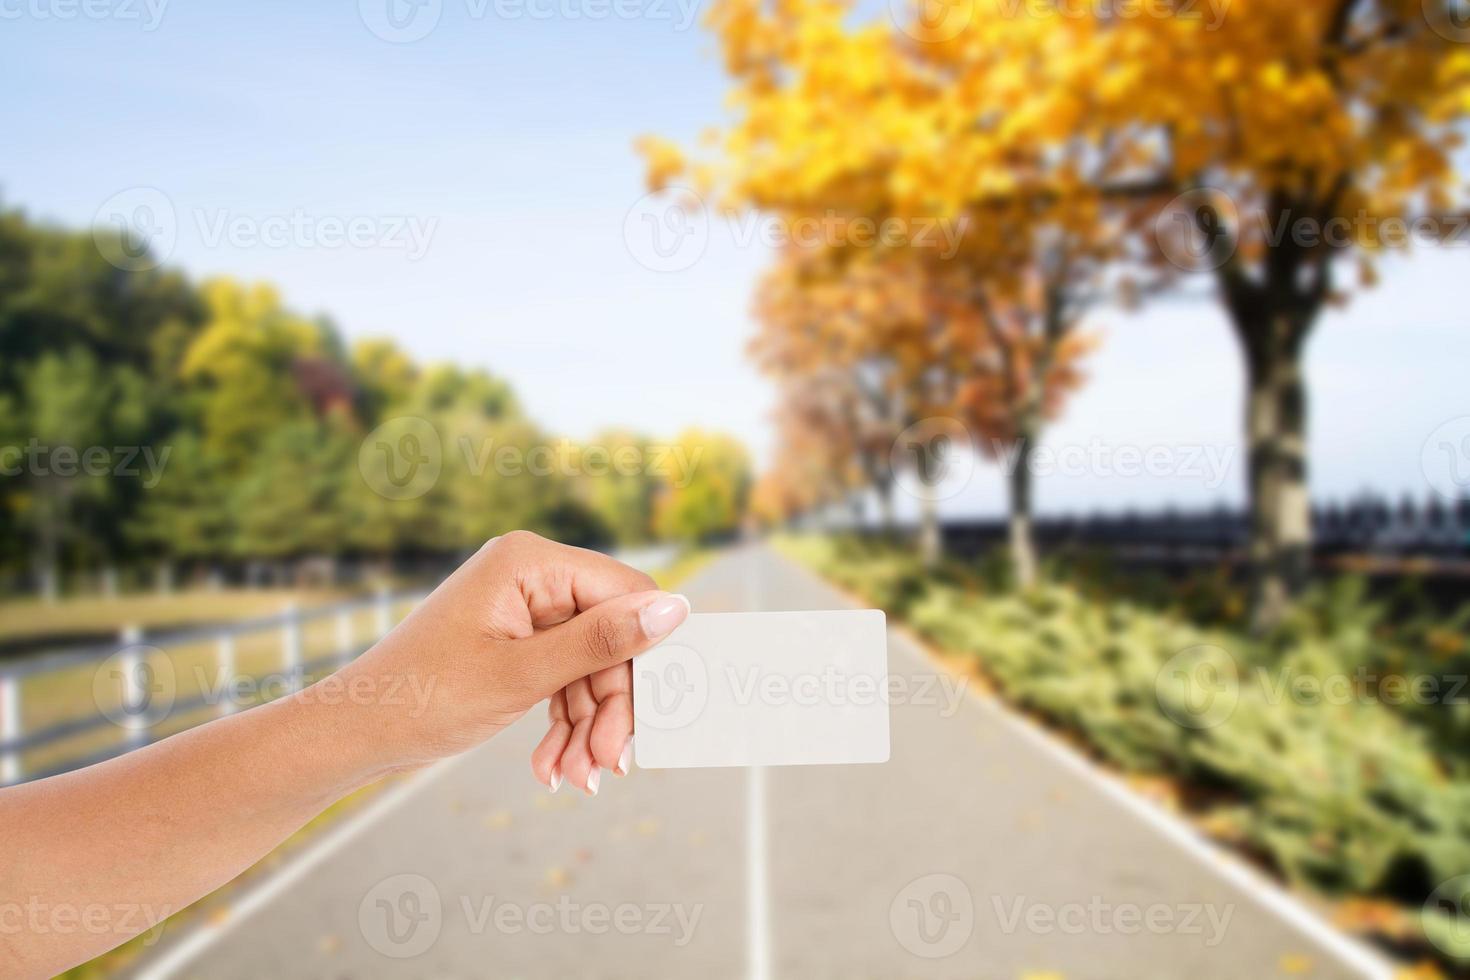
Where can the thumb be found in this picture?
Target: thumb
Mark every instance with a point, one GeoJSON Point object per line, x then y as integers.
{"type": "Point", "coordinates": [609, 633]}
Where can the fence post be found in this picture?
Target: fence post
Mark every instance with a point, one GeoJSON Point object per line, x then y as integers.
{"type": "Point", "coordinates": [10, 729]}
{"type": "Point", "coordinates": [291, 646]}
{"type": "Point", "coordinates": [135, 699]}
{"type": "Point", "coordinates": [384, 610]}
{"type": "Point", "coordinates": [224, 655]}
{"type": "Point", "coordinates": [345, 646]}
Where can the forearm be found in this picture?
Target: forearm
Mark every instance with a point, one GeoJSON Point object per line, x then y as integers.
{"type": "Point", "coordinates": [93, 857]}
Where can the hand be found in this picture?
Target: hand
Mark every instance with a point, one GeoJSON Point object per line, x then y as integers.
{"type": "Point", "coordinates": [523, 620]}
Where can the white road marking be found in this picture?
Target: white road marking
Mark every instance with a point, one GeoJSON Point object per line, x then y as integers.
{"type": "Point", "coordinates": [757, 860]}
{"type": "Point", "coordinates": [181, 954]}
{"type": "Point", "coordinates": [757, 900]}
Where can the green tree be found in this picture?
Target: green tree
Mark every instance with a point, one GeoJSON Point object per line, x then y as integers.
{"type": "Point", "coordinates": [707, 486]}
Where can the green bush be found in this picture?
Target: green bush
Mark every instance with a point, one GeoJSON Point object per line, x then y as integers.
{"type": "Point", "coordinates": [1343, 792]}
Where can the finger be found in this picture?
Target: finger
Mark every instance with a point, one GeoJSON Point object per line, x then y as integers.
{"type": "Point", "coordinates": [557, 580]}
{"type": "Point", "coordinates": [546, 759]}
{"type": "Point", "coordinates": [577, 764]}
{"type": "Point", "coordinates": [580, 702]}
{"type": "Point", "coordinates": [605, 635]}
{"type": "Point", "coordinates": [612, 733]}
{"type": "Point", "coordinates": [617, 679]}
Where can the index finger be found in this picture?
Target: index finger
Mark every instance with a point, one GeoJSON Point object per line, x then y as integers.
{"type": "Point", "coordinates": [557, 581]}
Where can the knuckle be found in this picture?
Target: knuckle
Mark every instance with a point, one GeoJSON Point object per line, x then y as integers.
{"type": "Point", "coordinates": [519, 540]}
{"type": "Point", "coordinates": [604, 639]}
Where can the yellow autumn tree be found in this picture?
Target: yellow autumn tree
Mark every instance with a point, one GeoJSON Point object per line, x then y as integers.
{"type": "Point", "coordinates": [1259, 121]}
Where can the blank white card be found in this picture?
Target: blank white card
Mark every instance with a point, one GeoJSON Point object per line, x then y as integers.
{"type": "Point", "coordinates": [764, 689]}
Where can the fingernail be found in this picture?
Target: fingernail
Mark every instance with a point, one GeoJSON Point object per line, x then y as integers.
{"type": "Point", "coordinates": [626, 757]}
{"type": "Point", "coordinates": [661, 615]}
{"type": "Point", "coordinates": [593, 779]}
{"type": "Point", "coordinates": [556, 779]}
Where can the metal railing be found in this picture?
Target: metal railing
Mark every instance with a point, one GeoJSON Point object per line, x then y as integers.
{"type": "Point", "coordinates": [134, 690]}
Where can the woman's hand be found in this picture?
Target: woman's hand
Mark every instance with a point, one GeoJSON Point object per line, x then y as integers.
{"type": "Point", "coordinates": [523, 620]}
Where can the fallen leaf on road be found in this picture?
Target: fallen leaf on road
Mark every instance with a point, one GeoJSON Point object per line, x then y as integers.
{"type": "Point", "coordinates": [557, 877]}
{"type": "Point", "coordinates": [649, 826]}
{"type": "Point", "coordinates": [1295, 964]}
{"type": "Point", "coordinates": [329, 943]}
{"type": "Point", "coordinates": [498, 819]}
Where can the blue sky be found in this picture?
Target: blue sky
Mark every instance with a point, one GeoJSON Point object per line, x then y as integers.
{"type": "Point", "coordinates": [507, 130]}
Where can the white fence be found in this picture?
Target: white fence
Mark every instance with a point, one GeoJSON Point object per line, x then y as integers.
{"type": "Point", "coordinates": [134, 692]}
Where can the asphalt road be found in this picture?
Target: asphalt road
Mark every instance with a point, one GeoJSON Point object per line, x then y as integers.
{"type": "Point", "coordinates": [974, 852]}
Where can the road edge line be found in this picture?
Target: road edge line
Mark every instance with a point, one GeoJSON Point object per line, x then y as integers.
{"type": "Point", "coordinates": [205, 935]}
{"type": "Point", "coordinates": [1265, 891]}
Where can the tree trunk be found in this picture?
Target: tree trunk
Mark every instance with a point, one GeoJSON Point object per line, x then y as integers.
{"type": "Point", "coordinates": [1280, 510]}
{"type": "Point", "coordinates": [884, 490]}
{"type": "Point", "coordinates": [1023, 542]}
{"type": "Point", "coordinates": [931, 543]}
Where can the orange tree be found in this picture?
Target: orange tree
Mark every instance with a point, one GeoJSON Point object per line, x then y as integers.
{"type": "Point", "coordinates": [847, 338]}
{"type": "Point", "coordinates": [1267, 123]}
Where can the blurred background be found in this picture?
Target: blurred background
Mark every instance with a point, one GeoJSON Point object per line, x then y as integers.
{"type": "Point", "coordinates": [1113, 347]}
